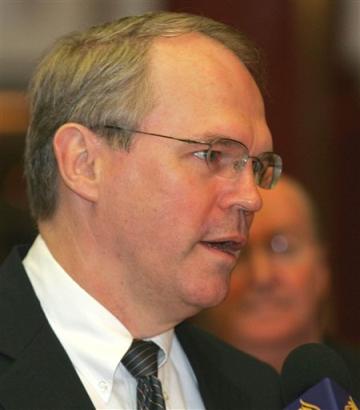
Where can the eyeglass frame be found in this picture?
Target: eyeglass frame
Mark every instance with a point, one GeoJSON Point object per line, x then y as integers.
{"type": "Point", "coordinates": [238, 167]}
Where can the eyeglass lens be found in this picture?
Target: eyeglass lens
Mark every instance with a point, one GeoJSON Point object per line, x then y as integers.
{"type": "Point", "coordinates": [227, 157]}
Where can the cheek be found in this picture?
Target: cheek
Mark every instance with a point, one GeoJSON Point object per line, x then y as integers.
{"type": "Point", "coordinates": [302, 286]}
{"type": "Point", "coordinates": [238, 286]}
{"type": "Point", "coordinates": [179, 199]}
{"type": "Point", "coordinates": [156, 205]}
{"type": "Point", "coordinates": [159, 206]}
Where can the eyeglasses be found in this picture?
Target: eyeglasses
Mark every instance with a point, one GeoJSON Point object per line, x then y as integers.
{"type": "Point", "coordinates": [283, 247]}
{"type": "Point", "coordinates": [226, 157]}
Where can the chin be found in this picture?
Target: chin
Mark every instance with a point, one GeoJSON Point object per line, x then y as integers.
{"type": "Point", "coordinates": [206, 293]}
{"type": "Point", "coordinates": [210, 299]}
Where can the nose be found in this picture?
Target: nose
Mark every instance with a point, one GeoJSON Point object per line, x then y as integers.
{"type": "Point", "coordinates": [260, 269]}
{"type": "Point", "coordinates": [242, 192]}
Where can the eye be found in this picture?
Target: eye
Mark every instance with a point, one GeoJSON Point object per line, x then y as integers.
{"type": "Point", "coordinates": [202, 154]}
{"type": "Point", "coordinates": [211, 156]}
{"type": "Point", "coordinates": [285, 245]}
{"type": "Point", "coordinates": [214, 156]}
{"type": "Point", "coordinates": [279, 244]}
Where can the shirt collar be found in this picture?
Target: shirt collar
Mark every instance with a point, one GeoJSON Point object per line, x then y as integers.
{"type": "Point", "coordinates": [164, 341]}
{"type": "Point", "coordinates": [94, 339]}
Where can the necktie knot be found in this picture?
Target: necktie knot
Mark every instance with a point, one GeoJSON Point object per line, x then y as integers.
{"type": "Point", "coordinates": [141, 359]}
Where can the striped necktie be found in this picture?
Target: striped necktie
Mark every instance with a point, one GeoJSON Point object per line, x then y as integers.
{"type": "Point", "coordinates": [141, 361]}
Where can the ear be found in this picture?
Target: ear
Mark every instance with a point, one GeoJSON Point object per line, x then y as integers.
{"type": "Point", "coordinates": [77, 150]}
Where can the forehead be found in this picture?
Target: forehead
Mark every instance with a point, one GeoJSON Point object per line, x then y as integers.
{"type": "Point", "coordinates": [199, 81]}
{"type": "Point", "coordinates": [285, 209]}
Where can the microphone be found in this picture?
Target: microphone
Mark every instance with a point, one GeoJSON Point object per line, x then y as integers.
{"type": "Point", "coordinates": [314, 377]}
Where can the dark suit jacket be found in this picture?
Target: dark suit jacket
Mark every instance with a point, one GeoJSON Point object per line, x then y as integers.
{"type": "Point", "coordinates": [37, 374]}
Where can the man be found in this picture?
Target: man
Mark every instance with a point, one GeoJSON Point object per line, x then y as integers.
{"type": "Point", "coordinates": [146, 143]}
{"type": "Point", "coordinates": [279, 295]}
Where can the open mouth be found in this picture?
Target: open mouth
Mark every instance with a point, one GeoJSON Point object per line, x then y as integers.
{"type": "Point", "coordinates": [230, 247]}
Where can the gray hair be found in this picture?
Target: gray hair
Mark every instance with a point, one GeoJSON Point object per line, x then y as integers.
{"type": "Point", "coordinates": [101, 76]}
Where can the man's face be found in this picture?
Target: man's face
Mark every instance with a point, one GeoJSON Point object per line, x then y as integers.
{"type": "Point", "coordinates": [281, 279]}
{"type": "Point", "coordinates": [173, 227]}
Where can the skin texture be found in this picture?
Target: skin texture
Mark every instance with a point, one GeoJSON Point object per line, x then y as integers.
{"type": "Point", "coordinates": [131, 226]}
{"type": "Point", "coordinates": [275, 297]}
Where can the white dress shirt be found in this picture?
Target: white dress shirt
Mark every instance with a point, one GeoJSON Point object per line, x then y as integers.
{"type": "Point", "coordinates": [96, 341]}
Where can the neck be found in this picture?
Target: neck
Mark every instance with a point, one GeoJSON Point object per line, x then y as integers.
{"type": "Point", "coordinates": [74, 245]}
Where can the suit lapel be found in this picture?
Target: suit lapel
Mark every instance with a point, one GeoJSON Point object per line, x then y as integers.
{"type": "Point", "coordinates": [32, 360]}
{"type": "Point", "coordinates": [217, 390]}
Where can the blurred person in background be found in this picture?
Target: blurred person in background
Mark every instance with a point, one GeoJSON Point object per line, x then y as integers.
{"type": "Point", "coordinates": [15, 223]}
{"type": "Point", "coordinates": [280, 293]}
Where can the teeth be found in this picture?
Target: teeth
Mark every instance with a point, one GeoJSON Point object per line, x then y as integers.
{"type": "Point", "coordinates": [222, 245]}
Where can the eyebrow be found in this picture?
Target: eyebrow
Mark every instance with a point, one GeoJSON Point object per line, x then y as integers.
{"type": "Point", "coordinates": [211, 137]}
